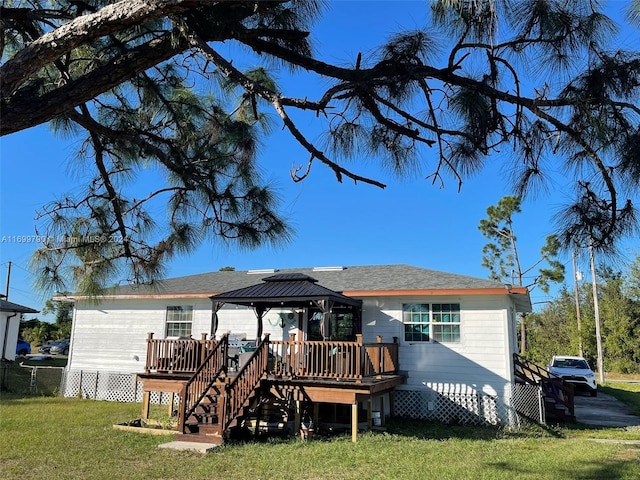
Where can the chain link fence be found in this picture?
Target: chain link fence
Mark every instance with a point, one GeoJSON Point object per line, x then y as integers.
{"type": "Point", "coordinates": [21, 379]}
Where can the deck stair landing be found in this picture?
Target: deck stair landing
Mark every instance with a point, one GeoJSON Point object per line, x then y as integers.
{"type": "Point", "coordinates": [557, 395]}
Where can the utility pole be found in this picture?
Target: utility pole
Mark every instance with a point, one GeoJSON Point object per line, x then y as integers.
{"type": "Point", "coordinates": [6, 293]}
{"type": "Point", "coordinates": [576, 277]}
{"type": "Point", "coordinates": [596, 311]}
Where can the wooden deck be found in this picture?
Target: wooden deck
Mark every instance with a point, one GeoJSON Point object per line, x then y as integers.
{"type": "Point", "coordinates": [215, 397]}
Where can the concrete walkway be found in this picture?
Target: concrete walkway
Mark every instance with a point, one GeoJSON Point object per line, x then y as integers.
{"type": "Point", "coordinates": [603, 410]}
{"type": "Point", "coordinates": [192, 446]}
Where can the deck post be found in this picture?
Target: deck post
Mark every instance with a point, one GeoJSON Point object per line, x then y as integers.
{"type": "Point", "coordinates": [292, 354]}
{"type": "Point", "coordinates": [297, 418]}
{"type": "Point", "coordinates": [369, 413]}
{"type": "Point", "coordinates": [203, 348]}
{"type": "Point", "coordinates": [382, 410]}
{"type": "Point", "coordinates": [149, 353]}
{"type": "Point", "coordinates": [379, 357]}
{"type": "Point", "coordinates": [354, 422]}
{"type": "Point", "coordinates": [172, 399]}
{"type": "Point", "coordinates": [145, 405]}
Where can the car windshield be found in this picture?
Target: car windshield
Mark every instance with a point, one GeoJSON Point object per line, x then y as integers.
{"type": "Point", "coordinates": [571, 363]}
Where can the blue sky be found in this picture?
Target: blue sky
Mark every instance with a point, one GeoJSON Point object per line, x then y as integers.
{"type": "Point", "coordinates": [411, 221]}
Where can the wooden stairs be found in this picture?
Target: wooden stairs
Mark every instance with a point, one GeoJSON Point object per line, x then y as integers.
{"type": "Point", "coordinates": [215, 404]}
{"type": "Point", "coordinates": [557, 395]}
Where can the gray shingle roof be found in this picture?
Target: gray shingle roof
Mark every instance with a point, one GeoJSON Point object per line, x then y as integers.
{"type": "Point", "coordinates": [361, 278]}
{"type": "Point", "coordinates": [7, 306]}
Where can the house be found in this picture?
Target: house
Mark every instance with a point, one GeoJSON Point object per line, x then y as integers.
{"type": "Point", "coordinates": [10, 316]}
{"type": "Point", "coordinates": [395, 339]}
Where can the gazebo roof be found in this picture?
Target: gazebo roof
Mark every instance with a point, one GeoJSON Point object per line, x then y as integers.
{"type": "Point", "coordinates": [284, 290]}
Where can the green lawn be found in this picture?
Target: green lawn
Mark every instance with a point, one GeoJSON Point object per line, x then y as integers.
{"type": "Point", "coordinates": [68, 438]}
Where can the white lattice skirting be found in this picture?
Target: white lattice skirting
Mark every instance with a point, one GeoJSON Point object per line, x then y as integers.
{"type": "Point", "coordinates": [111, 386]}
{"type": "Point", "coordinates": [521, 403]}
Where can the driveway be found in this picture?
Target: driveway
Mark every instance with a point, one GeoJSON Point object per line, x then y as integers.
{"type": "Point", "coordinates": [603, 410]}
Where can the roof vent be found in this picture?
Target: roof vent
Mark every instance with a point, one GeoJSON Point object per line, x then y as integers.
{"type": "Point", "coordinates": [328, 269]}
{"type": "Point", "coordinates": [262, 271]}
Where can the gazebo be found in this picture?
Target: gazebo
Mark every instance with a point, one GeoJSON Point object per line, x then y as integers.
{"type": "Point", "coordinates": [290, 290]}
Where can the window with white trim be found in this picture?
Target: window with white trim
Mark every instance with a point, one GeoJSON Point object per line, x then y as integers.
{"type": "Point", "coordinates": [431, 322]}
{"type": "Point", "coordinates": [179, 319]}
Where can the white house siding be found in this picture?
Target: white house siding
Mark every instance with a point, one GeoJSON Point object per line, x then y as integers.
{"type": "Point", "coordinates": [240, 320]}
{"type": "Point", "coordinates": [112, 335]}
{"type": "Point", "coordinates": [480, 362]}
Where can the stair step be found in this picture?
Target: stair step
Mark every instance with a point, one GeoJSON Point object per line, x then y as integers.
{"type": "Point", "coordinates": [199, 438]}
{"type": "Point", "coordinates": [201, 419]}
{"type": "Point", "coordinates": [206, 409]}
{"type": "Point", "coordinates": [209, 429]}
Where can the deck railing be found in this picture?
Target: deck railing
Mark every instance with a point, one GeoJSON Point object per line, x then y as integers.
{"type": "Point", "coordinates": [332, 359]}
{"type": "Point", "coordinates": [381, 358]}
{"type": "Point", "coordinates": [177, 355]}
{"type": "Point", "coordinates": [288, 358]}
{"type": "Point", "coordinates": [239, 388]}
{"type": "Point", "coordinates": [552, 386]}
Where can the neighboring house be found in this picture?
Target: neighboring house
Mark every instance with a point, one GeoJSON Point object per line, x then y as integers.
{"type": "Point", "coordinates": [455, 335]}
{"type": "Point", "coordinates": [10, 316]}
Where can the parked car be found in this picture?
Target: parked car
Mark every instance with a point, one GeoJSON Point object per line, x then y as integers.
{"type": "Point", "coordinates": [46, 348]}
{"type": "Point", "coordinates": [576, 371]}
{"type": "Point", "coordinates": [60, 348]}
{"type": "Point", "coordinates": [23, 347]}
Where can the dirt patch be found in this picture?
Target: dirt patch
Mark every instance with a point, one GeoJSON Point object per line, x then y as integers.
{"type": "Point", "coordinates": [140, 426]}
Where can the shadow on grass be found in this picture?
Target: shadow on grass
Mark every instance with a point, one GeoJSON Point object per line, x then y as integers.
{"type": "Point", "coordinates": [432, 430]}
{"type": "Point", "coordinates": [407, 428]}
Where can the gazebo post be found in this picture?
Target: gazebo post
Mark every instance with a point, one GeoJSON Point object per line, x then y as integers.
{"type": "Point", "coordinates": [260, 314]}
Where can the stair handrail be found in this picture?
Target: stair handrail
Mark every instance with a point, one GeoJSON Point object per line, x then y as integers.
{"type": "Point", "coordinates": [210, 370]}
{"type": "Point", "coordinates": [560, 391]}
{"type": "Point", "coordinates": [239, 389]}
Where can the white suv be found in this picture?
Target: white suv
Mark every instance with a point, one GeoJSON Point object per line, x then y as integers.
{"type": "Point", "coordinates": [576, 371]}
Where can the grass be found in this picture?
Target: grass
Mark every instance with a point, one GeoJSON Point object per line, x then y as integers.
{"type": "Point", "coordinates": [74, 439]}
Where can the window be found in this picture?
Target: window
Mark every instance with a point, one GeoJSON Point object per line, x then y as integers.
{"type": "Point", "coordinates": [179, 321]}
{"type": "Point", "coordinates": [437, 322]}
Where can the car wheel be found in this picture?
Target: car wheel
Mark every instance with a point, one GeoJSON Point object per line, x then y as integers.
{"type": "Point", "coordinates": [22, 352]}
{"type": "Point", "coordinates": [594, 393]}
